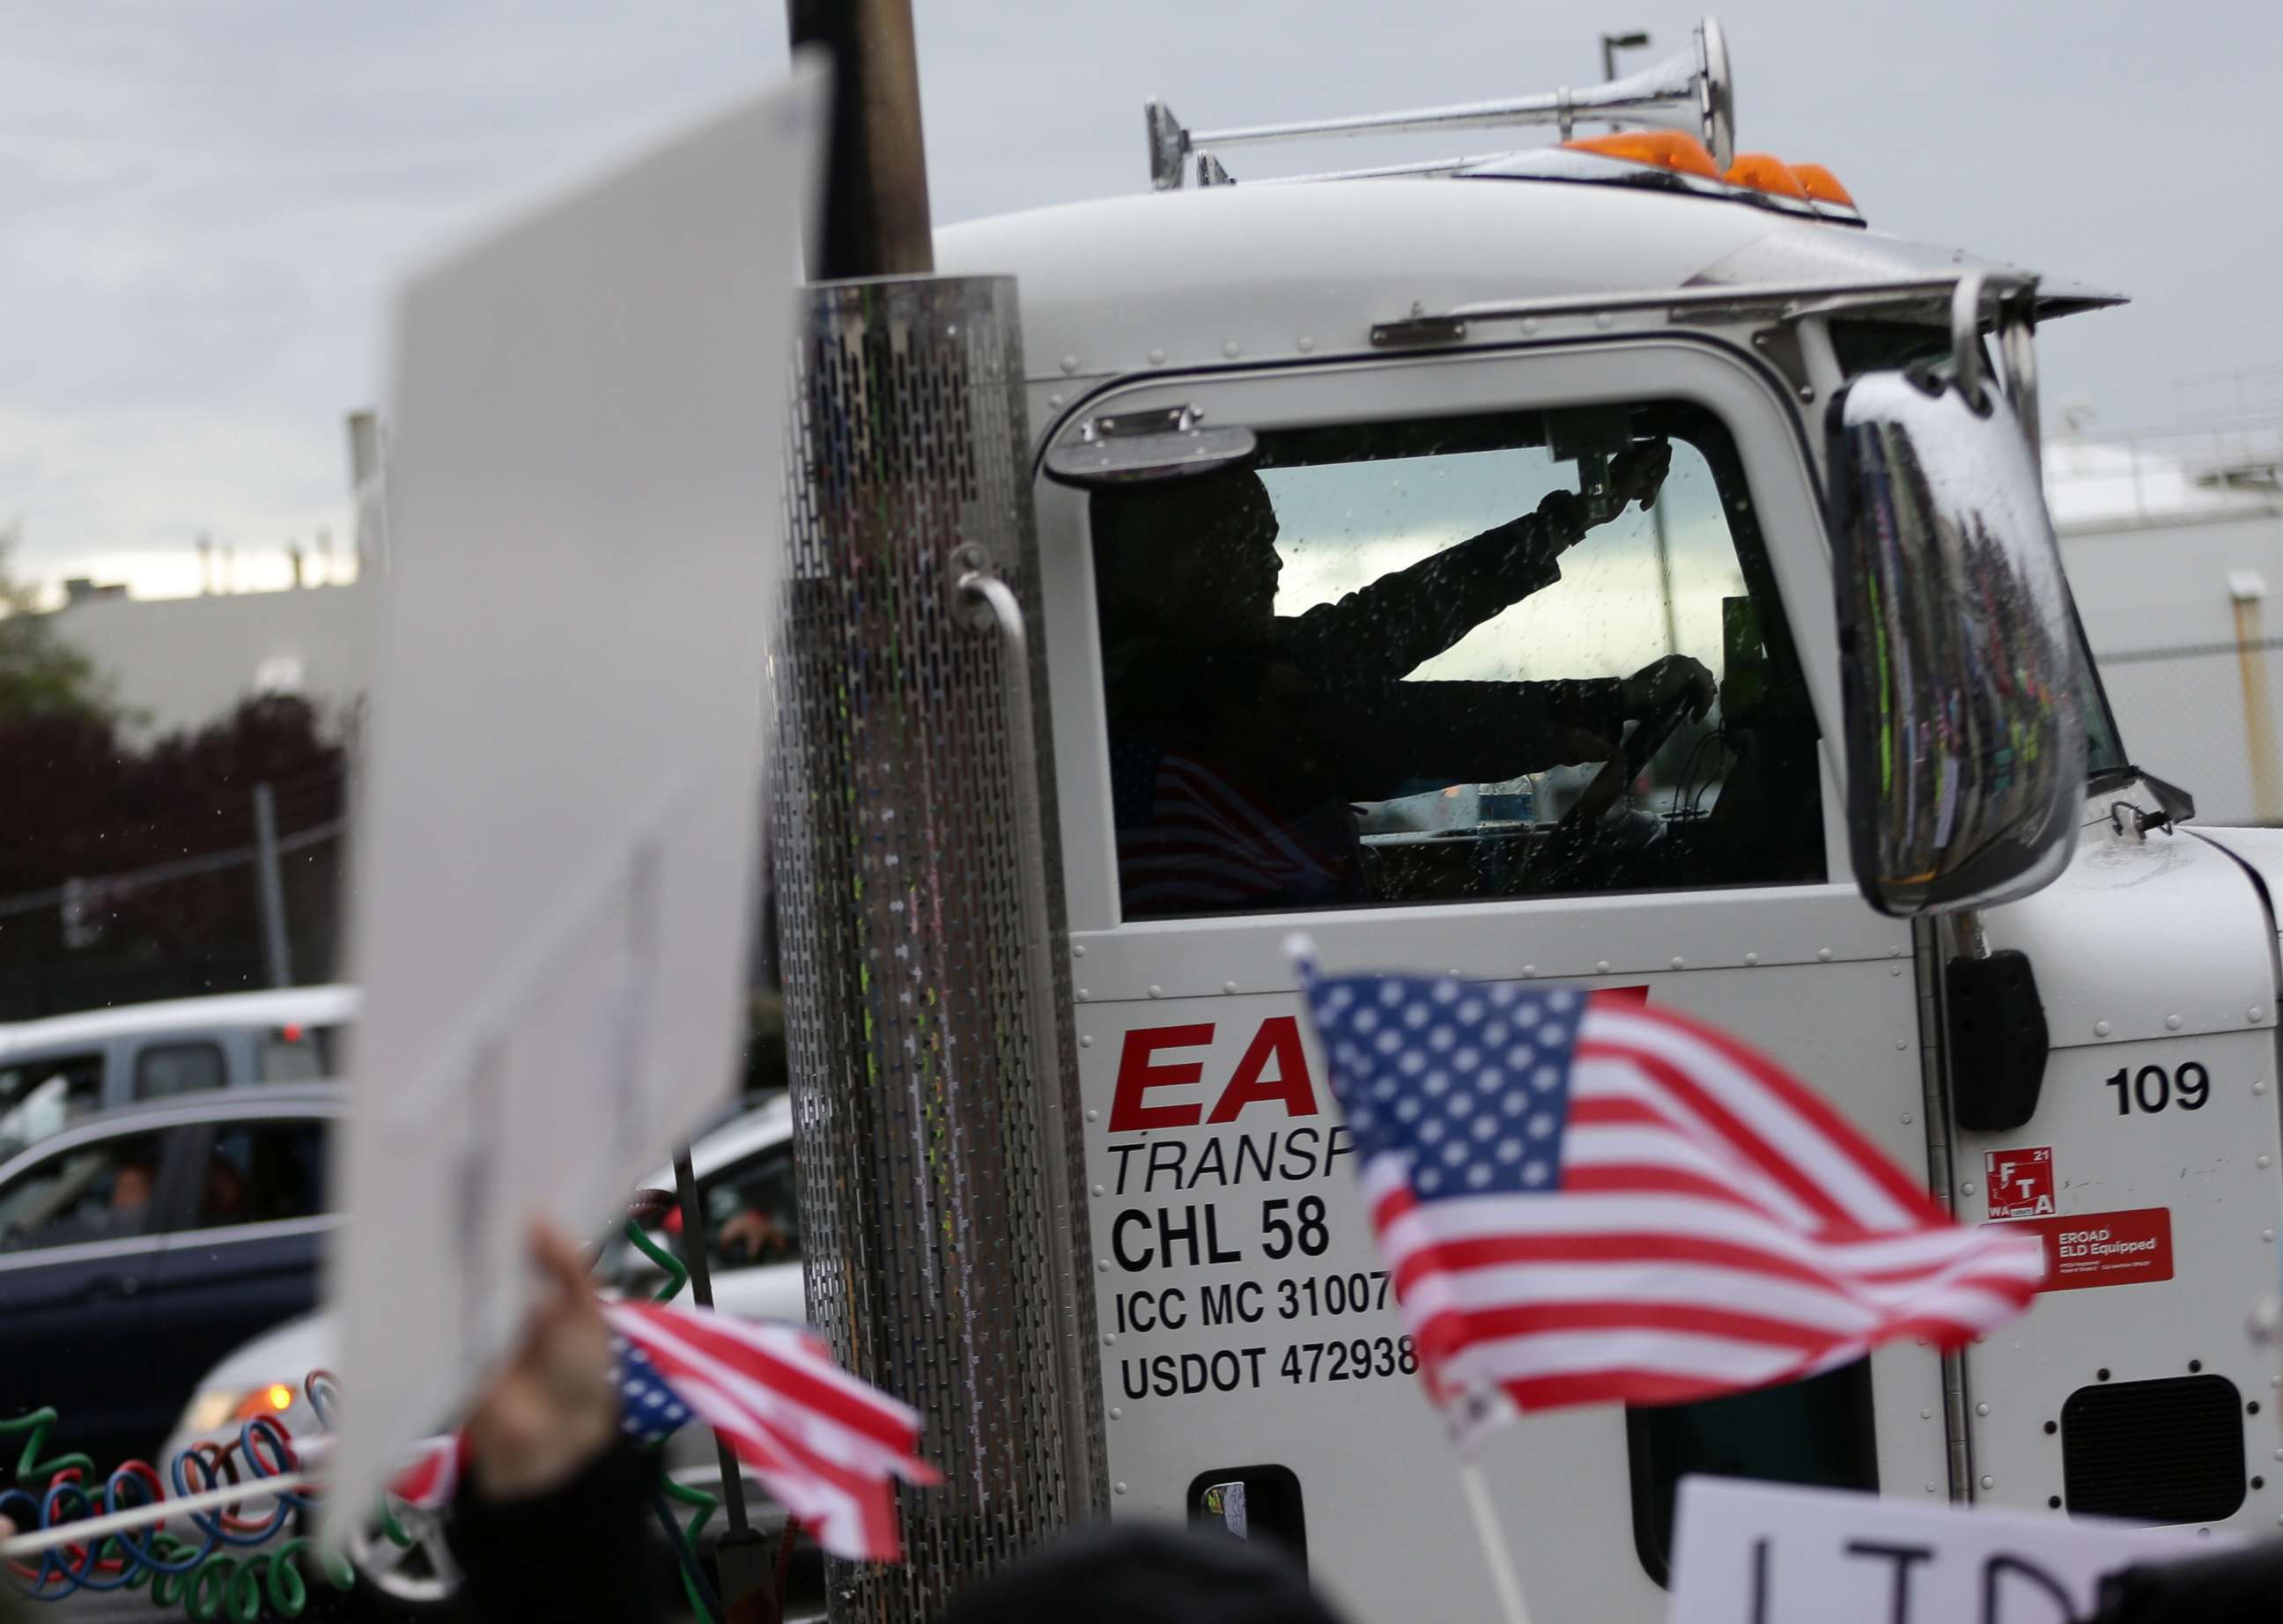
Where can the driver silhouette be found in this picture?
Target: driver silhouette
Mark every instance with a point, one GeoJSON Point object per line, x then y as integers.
{"type": "Point", "coordinates": [1240, 737]}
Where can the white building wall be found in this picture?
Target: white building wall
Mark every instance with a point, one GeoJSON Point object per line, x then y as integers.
{"type": "Point", "coordinates": [183, 662]}
{"type": "Point", "coordinates": [2179, 612]}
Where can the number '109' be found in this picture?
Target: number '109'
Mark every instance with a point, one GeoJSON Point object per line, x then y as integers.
{"type": "Point", "coordinates": [2152, 1088]}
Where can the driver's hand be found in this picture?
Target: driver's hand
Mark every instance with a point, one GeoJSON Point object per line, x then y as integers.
{"type": "Point", "coordinates": [750, 1236]}
{"type": "Point", "coordinates": [1636, 473]}
{"type": "Point", "coordinates": [1657, 684]}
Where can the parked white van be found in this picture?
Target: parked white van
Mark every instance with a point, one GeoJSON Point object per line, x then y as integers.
{"type": "Point", "coordinates": [56, 1070]}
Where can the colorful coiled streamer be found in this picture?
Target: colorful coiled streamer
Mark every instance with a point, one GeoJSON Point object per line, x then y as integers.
{"type": "Point", "coordinates": [219, 1575]}
{"type": "Point", "coordinates": [232, 1570]}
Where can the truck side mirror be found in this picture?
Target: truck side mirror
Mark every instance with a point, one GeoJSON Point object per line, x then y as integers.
{"type": "Point", "coordinates": [1960, 674]}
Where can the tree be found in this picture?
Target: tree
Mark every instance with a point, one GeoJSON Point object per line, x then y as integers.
{"type": "Point", "coordinates": [40, 675]}
{"type": "Point", "coordinates": [135, 828]}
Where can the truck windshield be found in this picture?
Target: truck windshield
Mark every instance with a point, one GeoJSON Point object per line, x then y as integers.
{"type": "Point", "coordinates": [1887, 346]}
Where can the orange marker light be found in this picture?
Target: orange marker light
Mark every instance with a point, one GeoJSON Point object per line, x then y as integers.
{"type": "Point", "coordinates": [1666, 149]}
{"type": "Point", "coordinates": [1821, 185]}
{"type": "Point", "coordinates": [1766, 172]}
{"type": "Point", "coordinates": [263, 1401]}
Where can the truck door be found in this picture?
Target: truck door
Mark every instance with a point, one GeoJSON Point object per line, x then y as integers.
{"type": "Point", "coordinates": [1348, 693]}
{"type": "Point", "coordinates": [2146, 1163]}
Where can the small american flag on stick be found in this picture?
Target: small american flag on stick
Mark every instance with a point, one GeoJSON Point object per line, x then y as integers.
{"type": "Point", "coordinates": [1586, 1199]}
{"type": "Point", "coordinates": [828, 1446]}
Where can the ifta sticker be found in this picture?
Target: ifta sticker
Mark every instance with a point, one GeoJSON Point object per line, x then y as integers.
{"type": "Point", "coordinates": [2020, 1183]}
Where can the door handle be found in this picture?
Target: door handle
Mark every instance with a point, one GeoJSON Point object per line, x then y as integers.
{"type": "Point", "coordinates": [120, 1285]}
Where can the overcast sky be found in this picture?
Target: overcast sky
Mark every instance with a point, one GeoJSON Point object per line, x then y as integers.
{"type": "Point", "coordinates": [206, 202]}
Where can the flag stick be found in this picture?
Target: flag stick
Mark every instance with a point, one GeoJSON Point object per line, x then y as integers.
{"type": "Point", "coordinates": [1495, 1549]}
{"type": "Point", "coordinates": [142, 1516]}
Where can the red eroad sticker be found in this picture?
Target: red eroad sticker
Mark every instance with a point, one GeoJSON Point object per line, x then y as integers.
{"type": "Point", "coordinates": [2020, 1183]}
{"type": "Point", "coordinates": [2104, 1248]}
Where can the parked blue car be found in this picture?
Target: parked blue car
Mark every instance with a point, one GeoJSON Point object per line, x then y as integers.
{"type": "Point", "coordinates": [138, 1247]}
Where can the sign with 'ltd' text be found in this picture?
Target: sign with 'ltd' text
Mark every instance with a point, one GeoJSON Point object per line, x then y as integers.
{"type": "Point", "coordinates": [1755, 1553]}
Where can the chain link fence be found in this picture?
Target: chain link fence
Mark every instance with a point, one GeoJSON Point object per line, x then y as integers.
{"type": "Point", "coordinates": [2204, 716]}
{"type": "Point", "coordinates": [97, 959]}
{"type": "Point", "coordinates": [2173, 541]}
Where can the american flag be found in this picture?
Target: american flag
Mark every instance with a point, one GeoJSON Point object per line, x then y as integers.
{"type": "Point", "coordinates": [1583, 1198]}
{"type": "Point", "coordinates": [825, 1444]}
{"type": "Point", "coordinates": [649, 1412]}
{"type": "Point", "coordinates": [430, 1478]}
{"type": "Point", "coordinates": [1192, 841]}
{"type": "Point", "coordinates": [829, 1447]}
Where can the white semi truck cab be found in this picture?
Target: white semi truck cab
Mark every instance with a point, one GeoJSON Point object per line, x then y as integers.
{"type": "Point", "coordinates": [1356, 622]}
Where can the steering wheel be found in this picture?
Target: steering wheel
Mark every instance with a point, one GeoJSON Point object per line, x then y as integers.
{"type": "Point", "coordinates": [1646, 738]}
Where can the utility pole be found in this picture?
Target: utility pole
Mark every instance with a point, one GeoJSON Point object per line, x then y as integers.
{"type": "Point", "coordinates": [274, 947]}
{"type": "Point", "coordinates": [877, 222]}
{"type": "Point", "coordinates": [366, 486]}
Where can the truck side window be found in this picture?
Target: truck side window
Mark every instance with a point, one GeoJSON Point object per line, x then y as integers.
{"type": "Point", "coordinates": [1448, 660]}
{"type": "Point", "coordinates": [1816, 1432]}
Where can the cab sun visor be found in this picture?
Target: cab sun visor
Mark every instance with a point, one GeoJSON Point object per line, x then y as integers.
{"type": "Point", "coordinates": [1144, 447]}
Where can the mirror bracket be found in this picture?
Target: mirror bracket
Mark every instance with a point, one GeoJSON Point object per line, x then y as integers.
{"type": "Point", "coordinates": [1785, 350]}
{"type": "Point", "coordinates": [1966, 340]}
{"type": "Point", "coordinates": [2015, 328]}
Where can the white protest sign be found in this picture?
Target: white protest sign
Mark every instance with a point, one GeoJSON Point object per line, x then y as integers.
{"type": "Point", "coordinates": [1757, 1553]}
{"type": "Point", "coordinates": [560, 784]}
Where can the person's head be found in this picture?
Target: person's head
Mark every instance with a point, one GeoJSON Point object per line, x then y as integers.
{"type": "Point", "coordinates": [225, 1195]}
{"type": "Point", "coordinates": [1197, 555]}
{"type": "Point", "coordinates": [1146, 1573]}
{"type": "Point", "coordinates": [131, 1185]}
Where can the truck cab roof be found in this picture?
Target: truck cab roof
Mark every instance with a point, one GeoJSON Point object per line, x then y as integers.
{"type": "Point", "coordinates": [1262, 273]}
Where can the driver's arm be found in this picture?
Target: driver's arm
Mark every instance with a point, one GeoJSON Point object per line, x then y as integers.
{"type": "Point", "coordinates": [1457, 733]}
{"type": "Point", "coordinates": [1383, 632]}
{"type": "Point", "coordinates": [753, 1235]}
